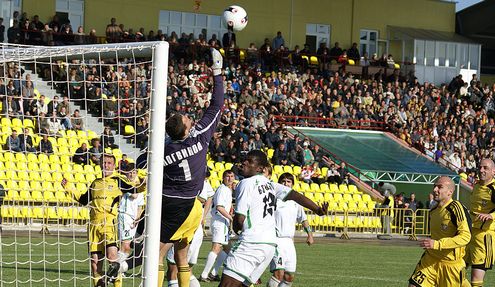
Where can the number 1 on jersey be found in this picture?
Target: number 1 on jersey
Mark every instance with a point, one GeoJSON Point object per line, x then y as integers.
{"type": "Point", "coordinates": [185, 166]}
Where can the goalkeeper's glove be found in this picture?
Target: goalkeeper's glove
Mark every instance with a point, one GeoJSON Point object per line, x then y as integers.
{"type": "Point", "coordinates": [217, 62]}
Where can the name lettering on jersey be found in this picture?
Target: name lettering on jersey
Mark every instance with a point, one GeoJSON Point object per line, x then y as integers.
{"type": "Point", "coordinates": [265, 188]}
{"type": "Point", "coordinates": [182, 154]}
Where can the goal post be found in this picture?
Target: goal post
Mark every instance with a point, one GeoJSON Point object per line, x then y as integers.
{"type": "Point", "coordinates": [116, 88]}
{"type": "Point", "coordinates": [155, 164]}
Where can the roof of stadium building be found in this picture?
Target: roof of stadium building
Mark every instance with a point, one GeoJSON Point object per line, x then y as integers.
{"type": "Point", "coordinates": [404, 33]}
{"type": "Point", "coordinates": [377, 156]}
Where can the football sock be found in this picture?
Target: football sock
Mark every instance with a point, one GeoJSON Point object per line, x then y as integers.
{"type": "Point", "coordinates": [210, 261]}
{"type": "Point", "coordinates": [96, 279]}
{"type": "Point", "coordinates": [184, 275]}
{"type": "Point", "coordinates": [273, 282]}
{"type": "Point", "coordinates": [285, 284]}
{"type": "Point", "coordinates": [193, 282]}
{"type": "Point", "coordinates": [161, 275]}
{"type": "Point", "coordinates": [173, 283]}
{"type": "Point", "coordinates": [477, 284]}
{"type": "Point", "coordinates": [118, 281]}
{"type": "Point", "coordinates": [218, 263]}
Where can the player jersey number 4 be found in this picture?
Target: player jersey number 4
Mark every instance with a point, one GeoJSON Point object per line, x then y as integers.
{"type": "Point", "coordinates": [256, 199]}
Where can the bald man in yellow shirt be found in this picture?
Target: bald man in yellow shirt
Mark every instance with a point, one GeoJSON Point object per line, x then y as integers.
{"type": "Point", "coordinates": [480, 250]}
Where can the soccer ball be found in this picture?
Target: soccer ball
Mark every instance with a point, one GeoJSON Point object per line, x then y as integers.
{"type": "Point", "coordinates": [236, 17]}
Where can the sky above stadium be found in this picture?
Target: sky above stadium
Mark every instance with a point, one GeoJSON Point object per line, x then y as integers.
{"type": "Point", "coordinates": [461, 4]}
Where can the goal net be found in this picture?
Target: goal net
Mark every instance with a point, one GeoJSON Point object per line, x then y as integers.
{"type": "Point", "coordinates": [77, 125]}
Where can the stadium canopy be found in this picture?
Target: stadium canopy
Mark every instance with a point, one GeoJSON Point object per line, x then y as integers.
{"type": "Point", "coordinates": [376, 156]}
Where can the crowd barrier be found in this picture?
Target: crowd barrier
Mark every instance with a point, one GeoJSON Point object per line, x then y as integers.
{"type": "Point", "coordinates": [397, 221]}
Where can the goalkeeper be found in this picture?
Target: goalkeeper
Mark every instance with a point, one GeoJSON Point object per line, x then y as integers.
{"type": "Point", "coordinates": [183, 179]}
{"type": "Point", "coordinates": [103, 198]}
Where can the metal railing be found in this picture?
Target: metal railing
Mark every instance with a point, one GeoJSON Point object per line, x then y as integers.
{"type": "Point", "coordinates": [396, 221]}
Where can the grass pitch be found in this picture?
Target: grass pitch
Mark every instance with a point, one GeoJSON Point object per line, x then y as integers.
{"type": "Point", "coordinates": [329, 262]}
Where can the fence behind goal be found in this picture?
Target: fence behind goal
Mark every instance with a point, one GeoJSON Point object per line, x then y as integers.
{"type": "Point", "coordinates": [61, 109]}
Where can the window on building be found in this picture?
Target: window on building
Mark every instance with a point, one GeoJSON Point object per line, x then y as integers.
{"type": "Point", "coordinates": [183, 22]}
{"type": "Point", "coordinates": [71, 10]}
{"type": "Point", "coordinates": [430, 53]}
{"type": "Point", "coordinates": [441, 53]}
{"type": "Point", "coordinates": [420, 52]}
{"type": "Point", "coordinates": [317, 34]}
{"type": "Point", "coordinates": [474, 56]}
{"type": "Point", "coordinates": [368, 41]}
{"type": "Point", "coordinates": [451, 51]}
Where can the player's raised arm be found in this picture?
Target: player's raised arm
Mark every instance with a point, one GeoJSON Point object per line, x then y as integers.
{"type": "Point", "coordinates": [208, 123]}
{"type": "Point", "coordinates": [83, 199]}
{"type": "Point", "coordinates": [308, 203]}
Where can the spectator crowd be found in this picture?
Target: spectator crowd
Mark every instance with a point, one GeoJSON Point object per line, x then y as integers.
{"type": "Point", "coordinates": [452, 123]}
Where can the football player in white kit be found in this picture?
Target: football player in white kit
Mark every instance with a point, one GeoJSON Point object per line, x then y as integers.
{"type": "Point", "coordinates": [205, 197]}
{"type": "Point", "coordinates": [221, 218]}
{"type": "Point", "coordinates": [254, 221]}
{"type": "Point", "coordinates": [131, 207]}
{"type": "Point", "coordinates": [283, 265]}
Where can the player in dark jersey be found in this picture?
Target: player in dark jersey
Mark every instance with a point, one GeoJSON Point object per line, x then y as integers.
{"type": "Point", "coordinates": [183, 178]}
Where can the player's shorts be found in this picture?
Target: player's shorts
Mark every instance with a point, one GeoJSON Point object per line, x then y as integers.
{"type": "Point", "coordinates": [180, 219]}
{"type": "Point", "coordinates": [285, 257]}
{"type": "Point", "coordinates": [480, 249]}
{"type": "Point", "coordinates": [246, 262]}
{"type": "Point", "coordinates": [193, 252]}
{"type": "Point", "coordinates": [126, 232]}
{"type": "Point", "coordinates": [102, 234]}
{"type": "Point", "coordinates": [220, 232]}
{"type": "Point", "coordinates": [431, 272]}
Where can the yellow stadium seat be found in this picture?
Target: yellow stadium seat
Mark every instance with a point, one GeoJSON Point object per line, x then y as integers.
{"type": "Point", "coordinates": [12, 192]}
{"type": "Point", "coordinates": [8, 156]}
{"type": "Point", "coordinates": [77, 168]}
{"type": "Point", "coordinates": [54, 159]}
{"type": "Point", "coordinates": [28, 123]}
{"type": "Point", "coordinates": [219, 166]}
{"type": "Point", "coordinates": [24, 193]}
{"type": "Point", "coordinates": [278, 169]}
{"type": "Point", "coordinates": [288, 168]}
{"type": "Point", "coordinates": [351, 62]}
{"type": "Point", "coordinates": [20, 157]}
{"type": "Point", "coordinates": [48, 196]}
{"type": "Point", "coordinates": [270, 152]}
{"type": "Point", "coordinates": [314, 187]}
{"type": "Point", "coordinates": [313, 60]}
{"type": "Point", "coordinates": [64, 150]}
{"type": "Point", "coordinates": [57, 177]}
{"type": "Point", "coordinates": [222, 52]}
{"type": "Point", "coordinates": [10, 165]}
{"type": "Point", "coordinates": [347, 197]}
{"type": "Point", "coordinates": [37, 212]}
{"type": "Point", "coordinates": [43, 158]}
{"type": "Point", "coordinates": [70, 134]}
{"type": "Point", "coordinates": [50, 213]}
{"type": "Point", "coordinates": [343, 188]}
{"type": "Point", "coordinates": [304, 57]}
{"type": "Point", "coordinates": [215, 183]}
{"type": "Point", "coordinates": [90, 177]}
{"type": "Point", "coordinates": [352, 206]}
{"type": "Point", "coordinates": [47, 186]}
{"type": "Point", "coordinates": [36, 195]}
{"type": "Point", "coordinates": [297, 170]}
{"type": "Point", "coordinates": [228, 165]}
{"type": "Point", "coordinates": [82, 135]}
{"type": "Point", "coordinates": [35, 185]}
{"type": "Point", "coordinates": [60, 196]}
{"type": "Point", "coordinates": [55, 167]}
{"type": "Point", "coordinates": [92, 135]}
{"type": "Point", "coordinates": [73, 142]}
{"type": "Point", "coordinates": [328, 197]}
{"type": "Point", "coordinates": [45, 166]}
{"type": "Point", "coordinates": [309, 195]}
{"type": "Point", "coordinates": [16, 123]}
{"type": "Point", "coordinates": [129, 130]}
{"type": "Point", "coordinates": [356, 197]}
{"type": "Point", "coordinates": [304, 186]}
{"type": "Point", "coordinates": [11, 175]}
{"type": "Point", "coordinates": [324, 171]}
{"type": "Point", "coordinates": [84, 213]}
{"type": "Point", "coordinates": [81, 187]}
{"type": "Point", "coordinates": [318, 197]}
{"type": "Point", "coordinates": [66, 168]}
{"type": "Point", "coordinates": [337, 197]}
{"type": "Point", "coordinates": [6, 131]}
{"type": "Point", "coordinates": [23, 175]}
{"type": "Point", "coordinates": [296, 186]}
{"type": "Point", "coordinates": [362, 206]}
{"type": "Point", "coordinates": [33, 166]}
{"type": "Point", "coordinates": [46, 176]}
{"type": "Point", "coordinates": [5, 122]}
{"type": "Point", "coordinates": [79, 177]}
{"type": "Point", "coordinates": [65, 159]}
{"type": "Point", "coordinates": [242, 55]}
{"type": "Point", "coordinates": [324, 188]}
{"type": "Point", "coordinates": [366, 197]}
{"type": "Point", "coordinates": [396, 66]}
{"type": "Point", "coordinates": [26, 212]}
{"type": "Point", "coordinates": [352, 188]}
{"type": "Point", "coordinates": [333, 188]}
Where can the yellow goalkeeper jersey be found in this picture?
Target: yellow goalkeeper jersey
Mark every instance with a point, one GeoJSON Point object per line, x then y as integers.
{"type": "Point", "coordinates": [450, 228]}
{"type": "Point", "coordinates": [103, 196]}
{"type": "Point", "coordinates": [483, 201]}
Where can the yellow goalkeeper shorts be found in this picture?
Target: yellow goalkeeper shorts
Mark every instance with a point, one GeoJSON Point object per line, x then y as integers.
{"type": "Point", "coordinates": [102, 234]}
{"type": "Point", "coordinates": [480, 249]}
{"type": "Point", "coordinates": [431, 272]}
